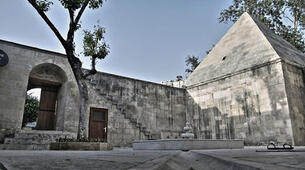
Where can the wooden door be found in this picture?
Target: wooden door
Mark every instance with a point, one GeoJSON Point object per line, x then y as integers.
{"type": "Point", "coordinates": [47, 107]}
{"type": "Point", "coordinates": [98, 123]}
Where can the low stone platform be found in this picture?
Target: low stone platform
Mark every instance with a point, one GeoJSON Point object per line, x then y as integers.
{"type": "Point", "coordinates": [33, 139]}
{"type": "Point", "coordinates": [187, 144]}
{"type": "Point", "coordinates": [94, 146]}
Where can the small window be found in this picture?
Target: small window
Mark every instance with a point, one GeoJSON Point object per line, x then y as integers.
{"type": "Point", "coordinates": [223, 58]}
{"type": "Point", "coordinates": [99, 116]}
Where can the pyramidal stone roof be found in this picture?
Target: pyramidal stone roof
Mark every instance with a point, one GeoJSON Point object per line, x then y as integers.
{"type": "Point", "coordinates": [248, 43]}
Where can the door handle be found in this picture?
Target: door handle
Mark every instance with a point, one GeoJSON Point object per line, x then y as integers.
{"type": "Point", "coordinates": [105, 129]}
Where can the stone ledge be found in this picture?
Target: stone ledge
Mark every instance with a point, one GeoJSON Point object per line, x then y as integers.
{"type": "Point", "coordinates": [80, 146]}
{"type": "Point", "coordinates": [187, 144]}
{"type": "Point", "coordinates": [24, 147]}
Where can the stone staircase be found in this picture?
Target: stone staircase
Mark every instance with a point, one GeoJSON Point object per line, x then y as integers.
{"type": "Point", "coordinates": [123, 110]}
{"type": "Point", "coordinates": [33, 139]}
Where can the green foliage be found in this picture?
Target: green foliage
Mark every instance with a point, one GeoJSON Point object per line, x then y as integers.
{"type": "Point", "coordinates": [179, 78]}
{"type": "Point", "coordinates": [274, 14]}
{"type": "Point", "coordinates": [94, 44]}
{"type": "Point", "coordinates": [31, 108]}
{"type": "Point", "coordinates": [62, 140]}
{"type": "Point", "coordinates": [94, 4]}
{"type": "Point", "coordinates": [76, 4]}
{"type": "Point", "coordinates": [72, 4]}
{"type": "Point", "coordinates": [44, 5]}
{"type": "Point", "coordinates": [297, 9]}
{"type": "Point", "coordinates": [208, 52]}
{"type": "Point", "coordinates": [192, 62]}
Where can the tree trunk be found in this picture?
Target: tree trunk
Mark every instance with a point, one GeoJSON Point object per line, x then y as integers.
{"type": "Point", "coordinates": [83, 90]}
{"type": "Point", "coordinates": [295, 24]}
{"type": "Point", "coordinates": [83, 98]}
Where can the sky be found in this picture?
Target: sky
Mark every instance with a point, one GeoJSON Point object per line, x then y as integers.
{"type": "Point", "coordinates": [148, 39]}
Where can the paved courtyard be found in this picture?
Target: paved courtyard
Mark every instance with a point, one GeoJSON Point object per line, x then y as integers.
{"type": "Point", "coordinates": [118, 159]}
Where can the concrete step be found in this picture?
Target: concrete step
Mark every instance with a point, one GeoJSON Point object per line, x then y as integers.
{"type": "Point", "coordinates": [24, 147]}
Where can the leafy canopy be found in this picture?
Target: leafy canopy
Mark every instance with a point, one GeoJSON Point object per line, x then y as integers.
{"type": "Point", "coordinates": [44, 5]}
{"type": "Point", "coordinates": [31, 108]}
{"type": "Point", "coordinates": [73, 5]}
{"type": "Point", "coordinates": [192, 62]}
{"type": "Point", "coordinates": [94, 44]}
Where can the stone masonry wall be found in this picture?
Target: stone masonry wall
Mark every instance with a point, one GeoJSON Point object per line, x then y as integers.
{"type": "Point", "coordinates": [250, 105]}
{"type": "Point", "coordinates": [14, 79]}
{"type": "Point", "coordinates": [294, 80]}
{"type": "Point", "coordinates": [157, 108]}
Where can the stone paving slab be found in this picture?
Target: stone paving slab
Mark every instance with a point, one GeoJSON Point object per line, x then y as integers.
{"type": "Point", "coordinates": [261, 160]}
{"type": "Point", "coordinates": [160, 160]}
{"type": "Point", "coordinates": [187, 144]}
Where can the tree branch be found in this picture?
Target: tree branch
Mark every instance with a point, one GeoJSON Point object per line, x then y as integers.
{"type": "Point", "coordinates": [71, 14]}
{"type": "Point", "coordinates": [93, 70]}
{"type": "Point", "coordinates": [81, 11]}
{"type": "Point", "coordinates": [285, 16]}
{"type": "Point", "coordinates": [50, 24]}
{"type": "Point", "coordinates": [72, 26]}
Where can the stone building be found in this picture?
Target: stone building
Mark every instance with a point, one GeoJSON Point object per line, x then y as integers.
{"type": "Point", "coordinates": [250, 86]}
{"type": "Point", "coordinates": [121, 109]}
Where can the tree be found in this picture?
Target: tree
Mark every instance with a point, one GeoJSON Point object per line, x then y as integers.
{"type": "Point", "coordinates": [179, 78]}
{"type": "Point", "coordinates": [208, 52]}
{"type": "Point", "coordinates": [191, 62]}
{"type": "Point", "coordinates": [285, 17]}
{"type": "Point", "coordinates": [31, 108]}
{"type": "Point", "coordinates": [94, 44]}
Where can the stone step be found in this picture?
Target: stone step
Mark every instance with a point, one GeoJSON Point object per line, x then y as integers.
{"type": "Point", "coordinates": [155, 136]}
{"type": "Point", "coordinates": [133, 120]}
{"type": "Point", "coordinates": [30, 137]}
{"type": "Point", "coordinates": [24, 147]}
{"type": "Point", "coordinates": [103, 93]}
{"type": "Point", "coordinates": [139, 125]}
{"type": "Point", "coordinates": [28, 141]}
{"type": "Point", "coordinates": [38, 134]}
{"type": "Point", "coordinates": [127, 115]}
{"type": "Point", "coordinates": [120, 106]}
{"type": "Point", "coordinates": [146, 132]}
{"type": "Point", "coordinates": [93, 82]}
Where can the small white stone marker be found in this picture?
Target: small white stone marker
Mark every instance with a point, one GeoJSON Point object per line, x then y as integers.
{"type": "Point", "coordinates": [188, 131]}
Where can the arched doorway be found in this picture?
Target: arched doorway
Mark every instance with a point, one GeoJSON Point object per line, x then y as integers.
{"type": "Point", "coordinates": [49, 78]}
